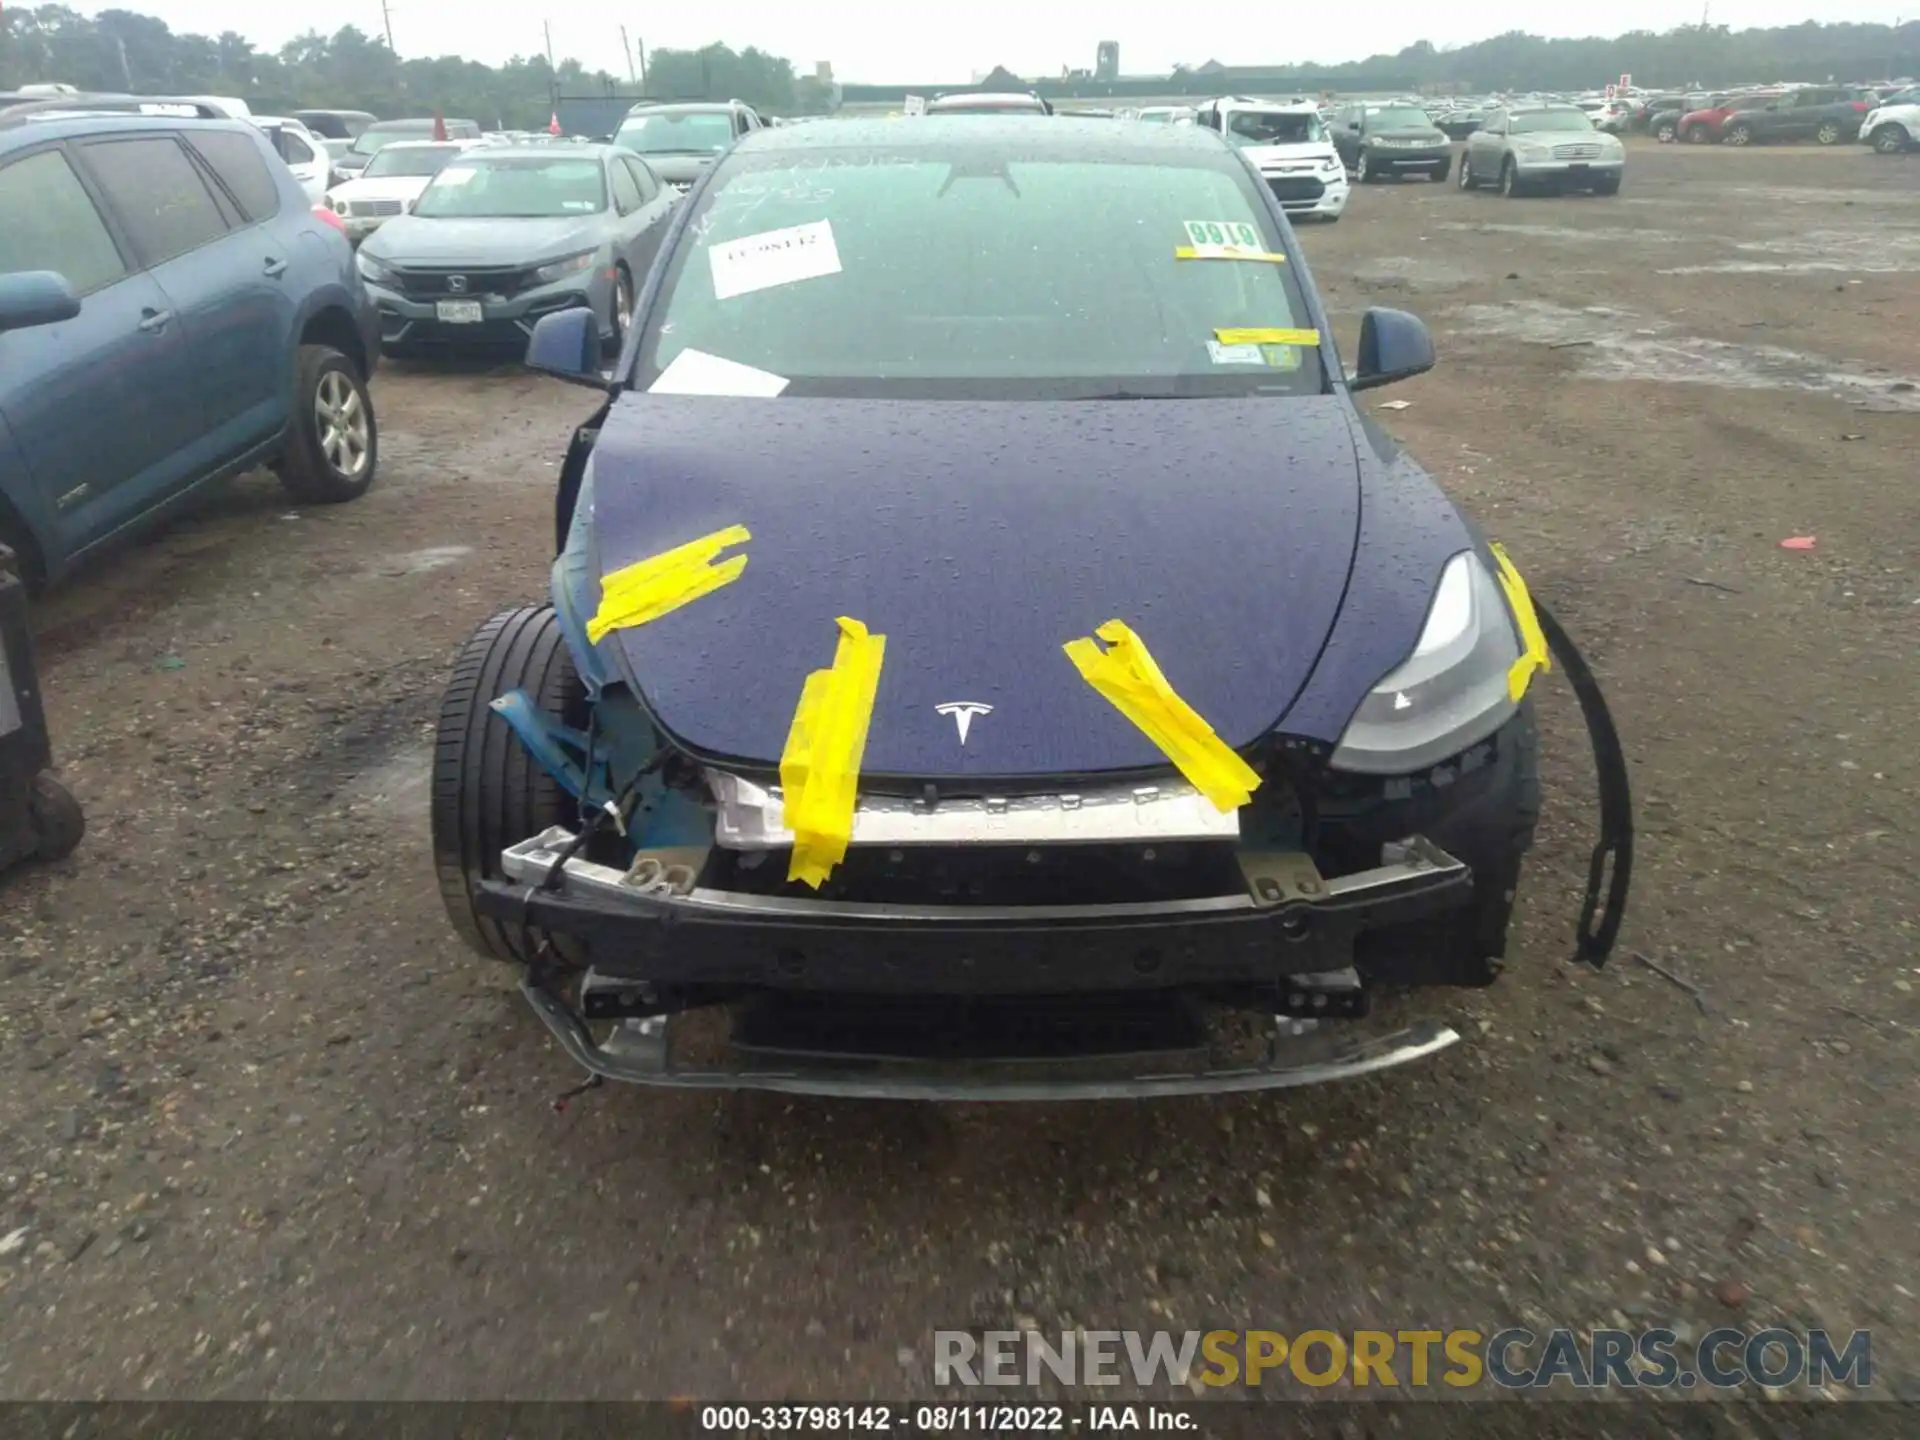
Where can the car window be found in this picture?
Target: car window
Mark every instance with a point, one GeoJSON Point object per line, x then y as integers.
{"type": "Point", "coordinates": [293, 149]}
{"type": "Point", "coordinates": [626, 193]}
{"type": "Point", "coordinates": [1267, 127]}
{"type": "Point", "coordinates": [52, 224]}
{"type": "Point", "coordinates": [241, 168]}
{"type": "Point", "coordinates": [161, 199]}
{"type": "Point", "coordinates": [643, 178]}
{"type": "Point", "coordinates": [967, 272]}
{"type": "Point", "coordinates": [698, 132]}
{"type": "Point", "coordinates": [514, 187]}
{"type": "Point", "coordinates": [415, 161]}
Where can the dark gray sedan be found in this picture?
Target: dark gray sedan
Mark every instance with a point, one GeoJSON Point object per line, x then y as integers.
{"type": "Point", "coordinates": [504, 236]}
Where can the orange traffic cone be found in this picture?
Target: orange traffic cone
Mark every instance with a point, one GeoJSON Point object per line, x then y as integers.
{"type": "Point", "coordinates": [439, 125]}
{"type": "Point", "coordinates": [553, 125]}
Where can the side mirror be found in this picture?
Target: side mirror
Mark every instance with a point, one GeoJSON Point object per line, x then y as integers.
{"type": "Point", "coordinates": [566, 345]}
{"type": "Point", "coordinates": [1393, 346]}
{"type": "Point", "coordinates": [32, 298]}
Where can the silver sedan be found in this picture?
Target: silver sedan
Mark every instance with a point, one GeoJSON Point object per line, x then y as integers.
{"type": "Point", "coordinates": [1542, 147]}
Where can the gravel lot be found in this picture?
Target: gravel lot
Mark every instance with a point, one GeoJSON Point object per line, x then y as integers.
{"type": "Point", "coordinates": [271, 1131]}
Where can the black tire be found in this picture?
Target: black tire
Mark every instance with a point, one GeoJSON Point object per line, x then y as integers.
{"type": "Point", "coordinates": [1891, 140]}
{"type": "Point", "coordinates": [1510, 185]}
{"type": "Point", "coordinates": [1828, 133]}
{"type": "Point", "coordinates": [1737, 135]}
{"type": "Point", "coordinates": [58, 821]}
{"type": "Point", "coordinates": [309, 468]}
{"type": "Point", "coordinates": [1467, 182]}
{"type": "Point", "coordinates": [1439, 172]}
{"type": "Point", "coordinates": [1362, 170]}
{"type": "Point", "coordinates": [488, 792]}
{"type": "Point", "coordinates": [1607, 187]}
{"type": "Point", "coordinates": [1666, 132]}
{"type": "Point", "coordinates": [1695, 135]}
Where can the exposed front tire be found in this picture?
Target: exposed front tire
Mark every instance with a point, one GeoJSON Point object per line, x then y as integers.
{"type": "Point", "coordinates": [1439, 172]}
{"type": "Point", "coordinates": [1828, 133]}
{"type": "Point", "coordinates": [488, 792]}
{"type": "Point", "coordinates": [1510, 185]}
{"type": "Point", "coordinates": [1696, 135]}
{"type": "Point", "coordinates": [333, 441]}
{"type": "Point", "coordinates": [1666, 132]}
{"type": "Point", "coordinates": [1739, 135]}
{"type": "Point", "coordinates": [1363, 171]}
{"type": "Point", "coordinates": [1467, 182]}
{"type": "Point", "coordinates": [622, 307]}
{"type": "Point", "coordinates": [1607, 187]}
{"type": "Point", "coordinates": [1891, 140]}
{"type": "Point", "coordinates": [57, 819]}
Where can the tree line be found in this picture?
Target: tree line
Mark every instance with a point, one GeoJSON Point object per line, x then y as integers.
{"type": "Point", "coordinates": [122, 50]}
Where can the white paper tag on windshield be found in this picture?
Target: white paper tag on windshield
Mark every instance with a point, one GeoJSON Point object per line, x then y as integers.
{"type": "Point", "coordinates": [773, 257]}
{"type": "Point", "coordinates": [1235, 354]}
{"type": "Point", "coordinates": [455, 175]}
{"type": "Point", "coordinates": [695, 372]}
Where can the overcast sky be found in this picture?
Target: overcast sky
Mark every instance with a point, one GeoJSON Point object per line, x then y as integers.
{"type": "Point", "coordinates": [948, 43]}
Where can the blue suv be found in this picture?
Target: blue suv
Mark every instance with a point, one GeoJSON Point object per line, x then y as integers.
{"type": "Point", "coordinates": [172, 312]}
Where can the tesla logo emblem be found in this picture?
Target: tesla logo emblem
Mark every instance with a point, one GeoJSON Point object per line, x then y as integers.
{"type": "Point", "coordinates": [963, 712]}
{"type": "Point", "coordinates": [457, 284]}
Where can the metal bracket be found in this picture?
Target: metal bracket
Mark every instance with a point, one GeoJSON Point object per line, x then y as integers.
{"type": "Point", "coordinates": [1280, 877]}
{"type": "Point", "coordinates": [558, 749]}
{"type": "Point", "coordinates": [668, 870]}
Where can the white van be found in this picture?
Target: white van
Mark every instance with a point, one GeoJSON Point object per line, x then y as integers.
{"type": "Point", "coordinates": [1288, 144]}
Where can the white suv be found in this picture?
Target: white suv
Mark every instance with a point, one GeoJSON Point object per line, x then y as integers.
{"type": "Point", "coordinates": [1289, 145]}
{"type": "Point", "coordinates": [1892, 128]}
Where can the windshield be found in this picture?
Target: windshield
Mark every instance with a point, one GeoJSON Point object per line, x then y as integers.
{"type": "Point", "coordinates": [516, 187]}
{"type": "Point", "coordinates": [1387, 117]}
{"type": "Point", "coordinates": [371, 141]}
{"type": "Point", "coordinates": [688, 133]}
{"type": "Point", "coordinates": [1267, 127]}
{"type": "Point", "coordinates": [977, 271]}
{"type": "Point", "coordinates": [410, 160]}
{"type": "Point", "coordinates": [968, 105]}
{"type": "Point", "coordinates": [1550, 121]}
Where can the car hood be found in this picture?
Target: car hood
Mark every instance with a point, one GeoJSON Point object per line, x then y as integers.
{"type": "Point", "coordinates": [679, 169]}
{"type": "Point", "coordinates": [1267, 156]}
{"type": "Point", "coordinates": [979, 539]}
{"type": "Point", "coordinates": [418, 240]}
{"type": "Point", "coordinates": [382, 187]}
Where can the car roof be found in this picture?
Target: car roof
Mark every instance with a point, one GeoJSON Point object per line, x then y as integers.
{"type": "Point", "coordinates": [463, 142]}
{"type": "Point", "coordinates": [15, 131]}
{"type": "Point", "coordinates": [709, 107]}
{"type": "Point", "coordinates": [544, 152]}
{"type": "Point", "coordinates": [934, 133]}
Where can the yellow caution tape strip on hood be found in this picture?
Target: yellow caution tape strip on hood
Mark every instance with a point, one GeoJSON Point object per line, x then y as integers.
{"type": "Point", "coordinates": [820, 768]}
{"type": "Point", "coordinates": [648, 589]}
{"type": "Point", "coordinates": [1533, 640]}
{"type": "Point", "coordinates": [1268, 336]}
{"type": "Point", "coordinates": [1126, 674]}
{"type": "Point", "coordinates": [1228, 252]}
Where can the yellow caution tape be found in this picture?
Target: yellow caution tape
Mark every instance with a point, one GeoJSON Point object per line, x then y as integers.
{"type": "Point", "coordinates": [820, 768]}
{"type": "Point", "coordinates": [1228, 252]}
{"type": "Point", "coordinates": [1267, 336]}
{"type": "Point", "coordinates": [1533, 646]}
{"type": "Point", "coordinates": [1125, 673]}
{"type": "Point", "coordinates": [648, 589]}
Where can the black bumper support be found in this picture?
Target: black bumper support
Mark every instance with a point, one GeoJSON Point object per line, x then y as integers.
{"type": "Point", "coordinates": [686, 934]}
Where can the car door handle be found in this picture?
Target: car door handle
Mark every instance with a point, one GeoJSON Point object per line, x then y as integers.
{"type": "Point", "coordinates": [275, 268]}
{"type": "Point", "coordinates": [154, 321]}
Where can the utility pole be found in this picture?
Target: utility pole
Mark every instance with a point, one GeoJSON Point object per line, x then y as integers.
{"type": "Point", "coordinates": [553, 78]}
{"type": "Point", "coordinates": [386, 16]}
{"type": "Point", "coordinates": [641, 47]}
{"type": "Point", "coordinates": [627, 50]}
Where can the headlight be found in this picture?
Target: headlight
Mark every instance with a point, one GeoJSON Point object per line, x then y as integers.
{"type": "Point", "coordinates": [560, 269]}
{"type": "Point", "coordinates": [1332, 163]}
{"type": "Point", "coordinates": [1451, 692]}
{"type": "Point", "coordinates": [372, 270]}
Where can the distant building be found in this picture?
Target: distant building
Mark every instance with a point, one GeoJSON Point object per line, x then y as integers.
{"type": "Point", "coordinates": [1106, 65]}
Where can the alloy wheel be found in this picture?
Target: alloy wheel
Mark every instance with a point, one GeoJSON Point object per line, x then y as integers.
{"type": "Point", "coordinates": [340, 420]}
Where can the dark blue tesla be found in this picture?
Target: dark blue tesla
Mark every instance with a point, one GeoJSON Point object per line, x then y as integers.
{"type": "Point", "coordinates": [989, 654]}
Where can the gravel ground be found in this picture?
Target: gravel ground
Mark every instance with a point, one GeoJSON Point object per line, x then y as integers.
{"type": "Point", "coordinates": [267, 1129]}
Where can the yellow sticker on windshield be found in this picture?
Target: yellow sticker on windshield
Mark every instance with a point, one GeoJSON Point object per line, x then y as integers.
{"type": "Point", "coordinates": [1266, 335]}
{"type": "Point", "coordinates": [1225, 240]}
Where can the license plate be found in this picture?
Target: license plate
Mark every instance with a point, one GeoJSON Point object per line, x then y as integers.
{"type": "Point", "coordinates": [459, 312]}
{"type": "Point", "coordinates": [1576, 167]}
